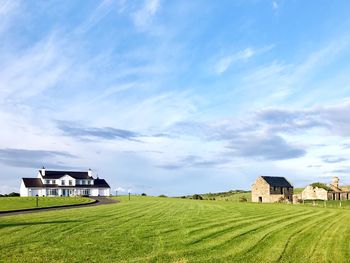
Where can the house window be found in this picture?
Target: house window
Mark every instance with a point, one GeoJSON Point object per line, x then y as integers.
{"type": "Point", "coordinates": [53, 181]}
{"type": "Point", "coordinates": [86, 192]}
{"type": "Point", "coordinates": [281, 190]}
{"type": "Point", "coordinates": [70, 182]}
{"type": "Point", "coordinates": [52, 192]}
{"type": "Point", "coordinates": [47, 181]}
{"type": "Point", "coordinates": [63, 182]}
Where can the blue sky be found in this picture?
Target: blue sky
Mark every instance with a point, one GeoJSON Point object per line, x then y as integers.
{"type": "Point", "coordinates": [175, 97]}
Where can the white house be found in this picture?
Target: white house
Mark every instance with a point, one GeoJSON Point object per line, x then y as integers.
{"type": "Point", "coordinates": [64, 183]}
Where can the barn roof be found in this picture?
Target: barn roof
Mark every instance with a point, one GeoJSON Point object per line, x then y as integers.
{"type": "Point", "coordinates": [277, 181]}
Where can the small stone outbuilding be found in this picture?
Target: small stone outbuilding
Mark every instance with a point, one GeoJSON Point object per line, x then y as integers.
{"type": "Point", "coordinates": [270, 189]}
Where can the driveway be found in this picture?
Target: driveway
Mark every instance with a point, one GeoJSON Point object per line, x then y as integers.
{"type": "Point", "coordinates": [98, 200]}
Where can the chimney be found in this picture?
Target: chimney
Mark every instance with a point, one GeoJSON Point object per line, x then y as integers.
{"type": "Point", "coordinates": [42, 171]}
{"type": "Point", "coordinates": [335, 182]}
{"type": "Point", "coordinates": [89, 173]}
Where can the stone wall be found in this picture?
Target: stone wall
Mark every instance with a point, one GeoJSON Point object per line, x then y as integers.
{"type": "Point", "coordinates": [314, 193]}
{"type": "Point", "coordinates": [260, 191]}
{"type": "Point", "coordinates": [321, 194]}
{"type": "Point", "coordinates": [338, 195]}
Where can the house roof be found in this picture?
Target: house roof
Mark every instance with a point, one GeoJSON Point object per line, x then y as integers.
{"type": "Point", "coordinates": [277, 181]}
{"type": "Point", "coordinates": [101, 183]}
{"type": "Point", "coordinates": [59, 174]}
{"type": "Point", "coordinates": [32, 182]}
{"type": "Point", "coordinates": [36, 182]}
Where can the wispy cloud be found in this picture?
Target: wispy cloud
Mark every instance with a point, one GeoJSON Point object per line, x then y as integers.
{"type": "Point", "coordinates": [193, 161]}
{"type": "Point", "coordinates": [101, 11]}
{"type": "Point", "coordinates": [144, 16]}
{"type": "Point", "coordinates": [33, 70]}
{"type": "Point", "coordinates": [225, 62]}
{"type": "Point", "coordinates": [8, 9]}
{"type": "Point", "coordinates": [275, 5]}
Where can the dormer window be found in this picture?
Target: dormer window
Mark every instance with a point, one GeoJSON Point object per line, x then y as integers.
{"type": "Point", "coordinates": [54, 181]}
{"type": "Point", "coordinates": [63, 182]}
{"type": "Point", "coordinates": [70, 182]}
{"type": "Point", "coordinates": [47, 181]}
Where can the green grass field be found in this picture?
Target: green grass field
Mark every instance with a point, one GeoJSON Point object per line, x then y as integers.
{"type": "Point", "coordinates": [14, 203]}
{"type": "Point", "coordinates": [148, 229]}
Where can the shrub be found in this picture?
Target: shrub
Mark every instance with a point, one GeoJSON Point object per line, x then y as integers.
{"type": "Point", "coordinates": [197, 197]}
{"type": "Point", "coordinates": [321, 185]}
{"type": "Point", "coordinates": [143, 194]}
{"type": "Point", "coordinates": [243, 199]}
{"type": "Point", "coordinates": [162, 196]}
{"type": "Point", "coordinates": [281, 200]}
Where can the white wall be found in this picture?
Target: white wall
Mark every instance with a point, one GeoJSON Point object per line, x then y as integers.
{"type": "Point", "coordinates": [66, 178]}
{"type": "Point", "coordinates": [103, 192]}
{"type": "Point", "coordinates": [94, 191]}
{"type": "Point", "coordinates": [23, 191]}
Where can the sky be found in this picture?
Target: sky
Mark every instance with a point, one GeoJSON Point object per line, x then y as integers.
{"type": "Point", "coordinates": [175, 97]}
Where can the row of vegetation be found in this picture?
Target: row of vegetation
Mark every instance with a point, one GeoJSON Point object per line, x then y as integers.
{"type": "Point", "coordinates": [16, 203]}
{"type": "Point", "coordinates": [13, 194]}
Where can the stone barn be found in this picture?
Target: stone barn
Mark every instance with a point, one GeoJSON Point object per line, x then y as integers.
{"type": "Point", "coordinates": [270, 189]}
{"type": "Point", "coordinates": [331, 192]}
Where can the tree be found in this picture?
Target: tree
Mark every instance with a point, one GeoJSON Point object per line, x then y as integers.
{"type": "Point", "coordinates": [197, 197]}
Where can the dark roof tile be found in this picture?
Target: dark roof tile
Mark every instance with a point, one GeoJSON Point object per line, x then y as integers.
{"type": "Point", "coordinates": [59, 174]}
{"type": "Point", "coordinates": [32, 182]}
{"type": "Point", "coordinates": [277, 181]}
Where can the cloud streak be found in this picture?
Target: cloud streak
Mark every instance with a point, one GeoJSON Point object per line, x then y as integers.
{"type": "Point", "coordinates": [90, 133]}
{"type": "Point", "coordinates": [33, 158]}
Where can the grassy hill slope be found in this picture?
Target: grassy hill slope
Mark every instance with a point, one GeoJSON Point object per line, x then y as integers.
{"type": "Point", "coordinates": [233, 195]}
{"type": "Point", "coordinates": [148, 229]}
